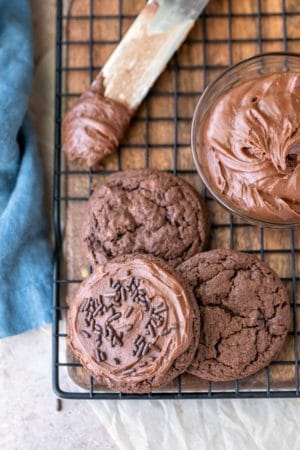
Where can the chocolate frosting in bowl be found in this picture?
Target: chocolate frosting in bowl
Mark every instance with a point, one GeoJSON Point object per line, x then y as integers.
{"type": "Point", "coordinates": [131, 322]}
{"type": "Point", "coordinates": [250, 148]}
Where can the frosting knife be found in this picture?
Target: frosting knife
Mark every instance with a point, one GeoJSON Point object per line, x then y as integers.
{"type": "Point", "coordinates": [96, 123]}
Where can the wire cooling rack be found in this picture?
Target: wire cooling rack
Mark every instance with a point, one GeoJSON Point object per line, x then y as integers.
{"type": "Point", "coordinates": [228, 30]}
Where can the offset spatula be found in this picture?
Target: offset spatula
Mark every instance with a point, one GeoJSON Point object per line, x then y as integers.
{"type": "Point", "coordinates": [94, 126]}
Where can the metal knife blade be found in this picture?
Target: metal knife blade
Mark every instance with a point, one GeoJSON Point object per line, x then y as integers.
{"type": "Point", "coordinates": [145, 50]}
{"type": "Point", "coordinates": [95, 124]}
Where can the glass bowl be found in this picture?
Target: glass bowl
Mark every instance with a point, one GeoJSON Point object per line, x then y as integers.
{"type": "Point", "coordinates": [247, 69]}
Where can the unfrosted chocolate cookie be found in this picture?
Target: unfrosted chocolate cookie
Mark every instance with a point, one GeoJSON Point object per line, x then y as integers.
{"type": "Point", "coordinates": [133, 324]}
{"type": "Point", "coordinates": [145, 211]}
{"type": "Point", "coordinates": [245, 313]}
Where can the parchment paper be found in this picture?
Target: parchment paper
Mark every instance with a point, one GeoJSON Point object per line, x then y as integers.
{"type": "Point", "coordinates": [202, 424]}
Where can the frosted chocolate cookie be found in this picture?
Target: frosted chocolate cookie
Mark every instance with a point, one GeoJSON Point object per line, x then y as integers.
{"type": "Point", "coordinates": [134, 324]}
{"type": "Point", "coordinates": [245, 313]}
{"type": "Point", "coordinates": [145, 211]}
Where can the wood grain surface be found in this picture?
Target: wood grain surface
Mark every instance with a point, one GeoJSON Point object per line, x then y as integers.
{"type": "Point", "coordinates": [159, 137]}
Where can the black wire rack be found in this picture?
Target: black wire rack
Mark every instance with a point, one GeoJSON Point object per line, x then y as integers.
{"type": "Point", "coordinates": [283, 35]}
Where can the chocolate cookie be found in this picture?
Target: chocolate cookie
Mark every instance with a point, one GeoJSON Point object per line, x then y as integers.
{"type": "Point", "coordinates": [145, 211]}
{"type": "Point", "coordinates": [245, 313]}
{"type": "Point", "coordinates": [133, 324]}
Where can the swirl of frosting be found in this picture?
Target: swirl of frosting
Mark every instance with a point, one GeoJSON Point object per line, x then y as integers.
{"type": "Point", "coordinates": [250, 147]}
{"type": "Point", "coordinates": [94, 126]}
{"type": "Point", "coordinates": [132, 319]}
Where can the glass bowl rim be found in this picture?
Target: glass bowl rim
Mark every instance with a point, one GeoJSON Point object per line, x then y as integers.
{"type": "Point", "coordinates": [209, 87]}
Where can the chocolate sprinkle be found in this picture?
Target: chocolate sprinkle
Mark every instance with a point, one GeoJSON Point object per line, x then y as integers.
{"type": "Point", "coordinates": [84, 304]}
{"type": "Point", "coordinates": [115, 316]}
{"type": "Point", "coordinates": [87, 305]}
{"type": "Point", "coordinates": [134, 294]}
{"type": "Point", "coordinates": [109, 294]}
{"type": "Point", "coordinates": [107, 331]}
{"type": "Point", "coordinates": [93, 324]}
{"type": "Point", "coordinates": [115, 284]}
{"type": "Point", "coordinates": [143, 364]}
{"type": "Point", "coordinates": [97, 311]}
{"type": "Point", "coordinates": [139, 339]}
{"type": "Point", "coordinates": [123, 294]}
{"type": "Point", "coordinates": [143, 301]}
{"type": "Point", "coordinates": [140, 349]}
{"type": "Point", "coordinates": [113, 335]}
{"type": "Point", "coordinates": [117, 298]}
{"type": "Point", "coordinates": [85, 333]}
{"type": "Point", "coordinates": [101, 355]}
{"type": "Point", "coordinates": [156, 321]}
{"type": "Point", "coordinates": [89, 316]}
{"type": "Point", "coordinates": [128, 312]}
{"type": "Point", "coordinates": [128, 371]}
{"type": "Point", "coordinates": [151, 329]}
{"type": "Point", "coordinates": [146, 349]}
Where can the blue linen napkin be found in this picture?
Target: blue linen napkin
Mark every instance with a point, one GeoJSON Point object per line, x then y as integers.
{"type": "Point", "coordinates": [25, 257]}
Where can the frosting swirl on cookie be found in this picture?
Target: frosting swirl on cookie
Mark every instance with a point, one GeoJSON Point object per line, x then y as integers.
{"type": "Point", "coordinates": [130, 319]}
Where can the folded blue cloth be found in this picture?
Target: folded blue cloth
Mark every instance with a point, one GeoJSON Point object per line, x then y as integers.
{"type": "Point", "coordinates": [25, 257]}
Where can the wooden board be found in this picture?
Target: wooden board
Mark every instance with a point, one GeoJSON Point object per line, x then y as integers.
{"type": "Point", "coordinates": [159, 137]}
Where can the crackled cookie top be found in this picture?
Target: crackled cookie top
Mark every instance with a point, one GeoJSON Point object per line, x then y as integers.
{"type": "Point", "coordinates": [245, 313]}
{"type": "Point", "coordinates": [129, 323]}
{"type": "Point", "coordinates": [250, 147]}
{"type": "Point", "coordinates": [145, 211]}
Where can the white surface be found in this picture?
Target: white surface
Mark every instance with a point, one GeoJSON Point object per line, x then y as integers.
{"type": "Point", "coordinates": [28, 416]}
{"type": "Point", "coordinates": [29, 420]}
